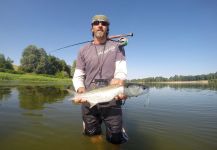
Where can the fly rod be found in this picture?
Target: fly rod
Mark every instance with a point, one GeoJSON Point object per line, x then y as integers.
{"type": "Point", "coordinates": [110, 38]}
{"type": "Point", "coordinates": [120, 36]}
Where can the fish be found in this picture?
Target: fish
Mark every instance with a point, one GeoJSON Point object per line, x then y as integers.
{"type": "Point", "coordinates": [108, 93]}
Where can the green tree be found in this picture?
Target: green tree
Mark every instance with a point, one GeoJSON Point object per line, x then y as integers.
{"type": "Point", "coordinates": [34, 60]}
{"type": "Point", "coordinates": [2, 61]}
{"type": "Point", "coordinates": [30, 59]}
{"type": "Point", "coordinates": [6, 63]}
{"type": "Point", "coordinates": [73, 68]}
{"type": "Point", "coordinates": [52, 65]}
{"type": "Point", "coordinates": [57, 67]}
{"type": "Point", "coordinates": [43, 62]}
{"type": "Point", "coordinates": [65, 68]}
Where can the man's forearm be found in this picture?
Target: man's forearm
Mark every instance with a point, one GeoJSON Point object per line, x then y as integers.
{"type": "Point", "coordinates": [120, 70]}
{"type": "Point", "coordinates": [78, 79]}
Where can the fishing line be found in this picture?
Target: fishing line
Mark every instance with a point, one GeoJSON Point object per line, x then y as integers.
{"type": "Point", "coordinates": [70, 46]}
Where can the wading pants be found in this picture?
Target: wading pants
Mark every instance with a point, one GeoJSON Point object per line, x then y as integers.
{"type": "Point", "coordinates": [112, 118]}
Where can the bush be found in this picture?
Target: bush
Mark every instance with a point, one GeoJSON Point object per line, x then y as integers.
{"type": "Point", "coordinates": [62, 74]}
{"type": "Point", "coordinates": [11, 71]}
{"type": "Point", "coordinates": [213, 81]}
{"type": "Point", "coordinates": [8, 76]}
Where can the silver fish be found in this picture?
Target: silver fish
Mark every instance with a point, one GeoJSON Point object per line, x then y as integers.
{"type": "Point", "coordinates": [106, 94]}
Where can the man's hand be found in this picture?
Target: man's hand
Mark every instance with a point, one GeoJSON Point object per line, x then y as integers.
{"type": "Point", "coordinates": [81, 90]}
{"type": "Point", "coordinates": [121, 97]}
{"type": "Point", "coordinates": [80, 100]}
{"type": "Point", "coordinates": [118, 82]}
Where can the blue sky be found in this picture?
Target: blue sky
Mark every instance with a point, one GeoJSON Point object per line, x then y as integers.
{"type": "Point", "coordinates": [171, 37]}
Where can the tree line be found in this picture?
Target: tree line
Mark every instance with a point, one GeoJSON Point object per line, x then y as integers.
{"type": "Point", "coordinates": [5, 63]}
{"type": "Point", "coordinates": [36, 60]}
{"type": "Point", "coordinates": [210, 76]}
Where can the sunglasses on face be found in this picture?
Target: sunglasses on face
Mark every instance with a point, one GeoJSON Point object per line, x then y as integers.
{"type": "Point", "coordinates": [103, 23]}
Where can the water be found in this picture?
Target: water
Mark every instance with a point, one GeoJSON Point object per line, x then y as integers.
{"type": "Point", "coordinates": [169, 117]}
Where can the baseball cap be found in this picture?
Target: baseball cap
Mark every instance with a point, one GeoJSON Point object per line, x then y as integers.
{"type": "Point", "coordinates": [100, 18]}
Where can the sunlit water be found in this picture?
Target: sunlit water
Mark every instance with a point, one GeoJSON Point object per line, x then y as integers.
{"type": "Point", "coordinates": [39, 117]}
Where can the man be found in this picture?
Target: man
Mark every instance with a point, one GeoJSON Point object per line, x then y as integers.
{"type": "Point", "coordinates": [100, 63]}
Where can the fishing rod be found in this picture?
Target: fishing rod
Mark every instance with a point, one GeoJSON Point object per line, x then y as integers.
{"type": "Point", "coordinates": [120, 36]}
{"type": "Point", "coordinates": [109, 38]}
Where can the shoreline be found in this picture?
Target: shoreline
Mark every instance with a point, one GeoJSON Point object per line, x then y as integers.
{"type": "Point", "coordinates": [9, 77]}
{"type": "Point", "coordinates": [182, 82]}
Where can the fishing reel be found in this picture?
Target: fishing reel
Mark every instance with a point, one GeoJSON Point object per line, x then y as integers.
{"type": "Point", "coordinates": [123, 41]}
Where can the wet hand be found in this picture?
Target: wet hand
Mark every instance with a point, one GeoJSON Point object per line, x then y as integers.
{"type": "Point", "coordinates": [81, 90]}
{"type": "Point", "coordinates": [80, 100]}
{"type": "Point", "coordinates": [121, 97]}
{"type": "Point", "coordinates": [118, 82]}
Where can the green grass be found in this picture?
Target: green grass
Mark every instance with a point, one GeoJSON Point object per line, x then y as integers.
{"type": "Point", "coordinates": [213, 81]}
{"type": "Point", "coordinates": [31, 77]}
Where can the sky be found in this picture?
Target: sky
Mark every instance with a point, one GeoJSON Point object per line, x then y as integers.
{"type": "Point", "coordinates": [171, 37]}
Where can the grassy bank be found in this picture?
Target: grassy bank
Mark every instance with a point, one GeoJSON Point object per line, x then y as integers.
{"type": "Point", "coordinates": [31, 77]}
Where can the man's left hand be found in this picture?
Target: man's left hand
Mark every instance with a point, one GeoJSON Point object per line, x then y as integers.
{"type": "Point", "coordinates": [121, 96]}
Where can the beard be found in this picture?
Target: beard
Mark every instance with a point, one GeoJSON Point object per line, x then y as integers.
{"type": "Point", "coordinates": [99, 34]}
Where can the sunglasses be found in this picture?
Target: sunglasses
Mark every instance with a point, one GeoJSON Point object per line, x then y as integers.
{"type": "Point", "coordinates": [103, 23]}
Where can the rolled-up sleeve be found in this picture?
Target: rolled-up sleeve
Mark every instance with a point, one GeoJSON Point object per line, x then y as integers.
{"type": "Point", "coordinates": [121, 70]}
{"type": "Point", "coordinates": [78, 79]}
{"type": "Point", "coordinates": [79, 74]}
{"type": "Point", "coordinates": [120, 65]}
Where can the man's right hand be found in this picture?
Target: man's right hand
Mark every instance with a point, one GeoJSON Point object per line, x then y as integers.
{"type": "Point", "coordinates": [80, 100]}
{"type": "Point", "coordinates": [81, 90]}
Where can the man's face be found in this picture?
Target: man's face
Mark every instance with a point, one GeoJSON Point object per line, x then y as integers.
{"type": "Point", "coordinates": [99, 28]}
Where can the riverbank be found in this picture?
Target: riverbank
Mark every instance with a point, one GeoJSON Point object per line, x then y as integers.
{"type": "Point", "coordinates": [201, 82]}
{"type": "Point", "coordinates": [4, 77]}
{"type": "Point", "coordinates": [48, 78]}
{"type": "Point", "coordinates": [185, 82]}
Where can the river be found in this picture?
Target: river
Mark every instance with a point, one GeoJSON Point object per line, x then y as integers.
{"type": "Point", "coordinates": [40, 117]}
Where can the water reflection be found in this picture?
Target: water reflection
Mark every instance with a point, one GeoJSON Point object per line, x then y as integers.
{"type": "Point", "coordinates": [180, 86]}
{"type": "Point", "coordinates": [5, 92]}
{"type": "Point", "coordinates": [34, 97]}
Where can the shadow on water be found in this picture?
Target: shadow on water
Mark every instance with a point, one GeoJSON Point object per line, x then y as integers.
{"type": "Point", "coordinates": [34, 97]}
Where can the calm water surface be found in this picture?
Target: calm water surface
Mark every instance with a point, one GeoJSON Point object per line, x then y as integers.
{"type": "Point", "coordinates": [169, 117]}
